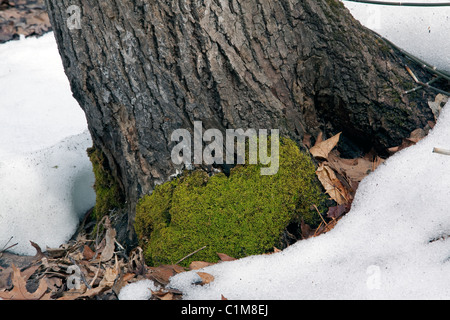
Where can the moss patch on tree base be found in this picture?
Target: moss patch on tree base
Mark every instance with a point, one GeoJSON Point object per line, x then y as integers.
{"type": "Point", "coordinates": [107, 190]}
{"type": "Point", "coordinates": [240, 215]}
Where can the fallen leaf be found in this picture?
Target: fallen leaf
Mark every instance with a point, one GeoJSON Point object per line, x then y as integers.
{"type": "Point", "coordinates": [110, 238]}
{"type": "Point", "coordinates": [224, 257]}
{"type": "Point", "coordinates": [39, 255]}
{"type": "Point", "coordinates": [88, 254]}
{"type": "Point", "coordinates": [353, 169]}
{"type": "Point", "coordinates": [222, 297]}
{"type": "Point", "coordinates": [332, 184]}
{"type": "Point", "coordinates": [306, 230]}
{"type": "Point", "coordinates": [337, 211]}
{"type": "Point", "coordinates": [170, 294]}
{"type": "Point", "coordinates": [195, 265]}
{"type": "Point", "coordinates": [323, 148]}
{"type": "Point", "coordinates": [109, 277]}
{"type": "Point", "coordinates": [19, 290]}
{"type": "Point", "coordinates": [206, 278]}
{"type": "Point", "coordinates": [414, 137]}
{"type": "Point", "coordinates": [56, 253]}
{"type": "Point", "coordinates": [163, 273]}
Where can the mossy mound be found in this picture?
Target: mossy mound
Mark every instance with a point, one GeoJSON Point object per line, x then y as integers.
{"type": "Point", "coordinates": [240, 215]}
{"type": "Point", "coordinates": [107, 190]}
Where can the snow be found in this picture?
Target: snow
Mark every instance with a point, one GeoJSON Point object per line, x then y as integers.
{"type": "Point", "coordinates": [140, 290]}
{"type": "Point", "coordinates": [422, 31]}
{"type": "Point", "coordinates": [45, 175]}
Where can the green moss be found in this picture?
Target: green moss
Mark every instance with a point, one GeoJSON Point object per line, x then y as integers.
{"type": "Point", "coordinates": [107, 190]}
{"type": "Point", "coordinates": [240, 215]}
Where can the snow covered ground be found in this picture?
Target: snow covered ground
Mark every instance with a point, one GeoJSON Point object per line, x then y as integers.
{"type": "Point", "coordinates": [45, 176]}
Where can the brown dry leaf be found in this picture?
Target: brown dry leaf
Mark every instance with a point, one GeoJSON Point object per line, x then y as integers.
{"type": "Point", "coordinates": [222, 297]}
{"type": "Point", "coordinates": [53, 283]}
{"type": "Point", "coordinates": [353, 169]}
{"type": "Point", "coordinates": [4, 276]}
{"type": "Point", "coordinates": [109, 277]}
{"type": "Point", "coordinates": [195, 265]}
{"type": "Point", "coordinates": [27, 273]}
{"type": "Point", "coordinates": [169, 294]}
{"type": "Point", "coordinates": [39, 255]}
{"type": "Point", "coordinates": [108, 251]}
{"type": "Point", "coordinates": [19, 291]}
{"type": "Point", "coordinates": [306, 230]}
{"type": "Point", "coordinates": [94, 292]}
{"type": "Point", "coordinates": [323, 148]}
{"type": "Point", "coordinates": [88, 254]}
{"type": "Point", "coordinates": [414, 137]}
{"type": "Point", "coordinates": [122, 281]}
{"type": "Point", "coordinates": [56, 253]}
{"type": "Point", "coordinates": [338, 211]}
{"type": "Point", "coordinates": [225, 257]}
{"type": "Point", "coordinates": [163, 273]}
{"type": "Point", "coordinates": [206, 278]}
{"type": "Point", "coordinates": [332, 184]}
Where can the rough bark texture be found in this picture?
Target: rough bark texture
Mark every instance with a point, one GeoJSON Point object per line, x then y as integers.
{"type": "Point", "coordinates": [141, 69]}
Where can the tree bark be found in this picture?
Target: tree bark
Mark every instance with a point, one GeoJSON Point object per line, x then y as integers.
{"type": "Point", "coordinates": [141, 69]}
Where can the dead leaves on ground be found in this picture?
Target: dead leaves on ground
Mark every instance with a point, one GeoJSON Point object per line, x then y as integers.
{"type": "Point", "coordinates": [81, 270]}
{"type": "Point", "coordinates": [23, 17]}
{"type": "Point", "coordinates": [340, 177]}
{"type": "Point", "coordinates": [19, 290]}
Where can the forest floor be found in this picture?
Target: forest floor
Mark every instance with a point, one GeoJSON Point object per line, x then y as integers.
{"type": "Point", "coordinates": [22, 18]}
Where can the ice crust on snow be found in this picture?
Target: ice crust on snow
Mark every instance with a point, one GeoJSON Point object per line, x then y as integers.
{"type": "Point", "coordinates": [422, 31]}
{"type": "Point", "coordinates": [45, 175]}
{"type": "Point", "coordinates": [387, 247]}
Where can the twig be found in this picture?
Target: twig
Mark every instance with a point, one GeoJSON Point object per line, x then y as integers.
{"type": "Point", "coordinates": [190, 254]}
{"type": "Point", "coordinates": [442, 151]}
{"type": "Point", "coordinates": [96, 274]}
{"type": "Point", "coordinates": [326, 224]}
{"type": "Point", "coordinates": [421, 87]}
{"type": "Point", "coordinates": [5, 249]}
{"type": "Point", "coordinates": [425, 85]}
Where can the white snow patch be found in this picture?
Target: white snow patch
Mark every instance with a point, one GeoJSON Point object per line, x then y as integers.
{"type": "Point", "coordinates": [45, 175]}
{"type": "Point", "coordinates": [140, 290]}
{"type": "Point", "coordinates": [422, 31]}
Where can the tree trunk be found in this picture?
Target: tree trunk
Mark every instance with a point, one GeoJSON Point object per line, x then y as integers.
{"type": "Point", "coordinates": [142, 69]}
